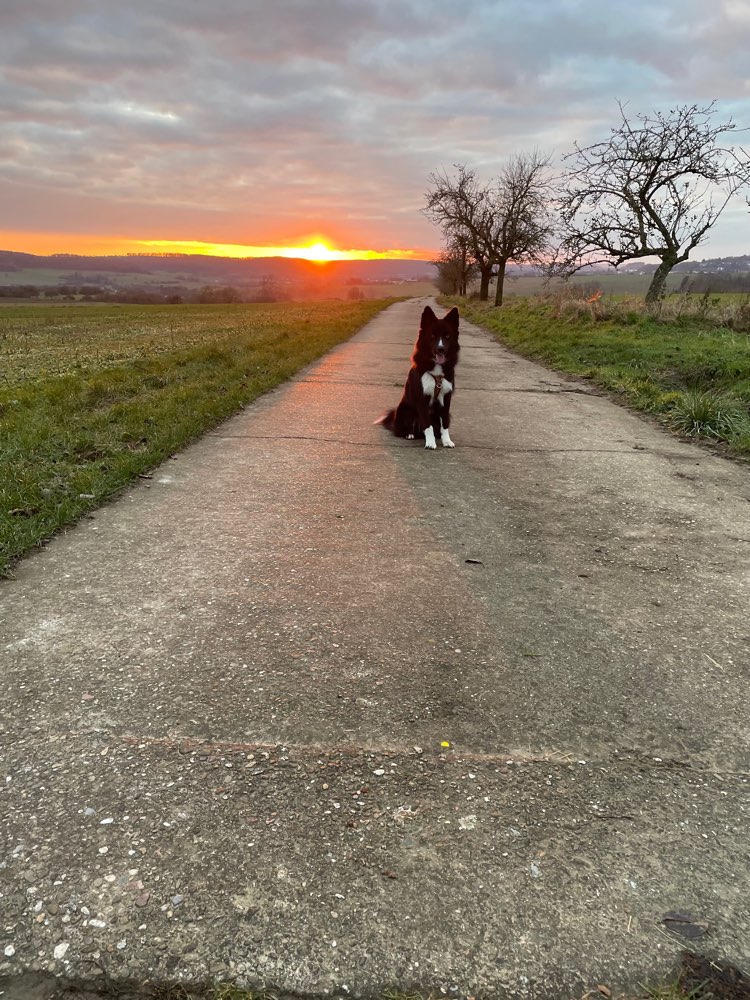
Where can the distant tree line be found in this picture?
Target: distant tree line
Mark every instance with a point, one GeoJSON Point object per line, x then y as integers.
{"type": "Point", "coordinates": [722, 282]}
{"type": "Point", "coordinates": [740, 263]}
{"type": "Point", "coordinates": [654, 188]}
{"type": "Point", "coordinates": [268, 290]}
{"type": "Point", "coordinates": [19, 291]}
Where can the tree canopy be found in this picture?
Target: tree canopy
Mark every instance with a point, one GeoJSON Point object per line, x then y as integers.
{"type": "Point", "coordinates": [489, 225]}
{"type": "Point", "coordinates": [653, 189]}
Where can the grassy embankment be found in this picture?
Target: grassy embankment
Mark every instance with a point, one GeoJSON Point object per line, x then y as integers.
{"type": "Point", "coordinates": [688, 364]}
{"type": "Point", "coordinates": [91, 397]}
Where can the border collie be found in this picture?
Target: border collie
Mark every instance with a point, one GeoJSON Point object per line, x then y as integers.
{"type": "Point", "coordinates": [425, 406]}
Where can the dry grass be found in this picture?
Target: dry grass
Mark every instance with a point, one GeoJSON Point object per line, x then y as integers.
{"type": "Point", "coordinates": [588, 301]}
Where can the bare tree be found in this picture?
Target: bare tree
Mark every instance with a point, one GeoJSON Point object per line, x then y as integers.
{"type": "Point", "coordinates": [522, 225]}
{"type": "Point", "coordinates": [455, 266]}
{"type": "Point", "coordinates": [654, 188]}
{"type": "Point", "coordinates": [461, 206]}
{"type": "Point", "coordinates": [494, 224]}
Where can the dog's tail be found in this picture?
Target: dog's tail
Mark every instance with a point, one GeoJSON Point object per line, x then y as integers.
{"type": "Point", "coordinates": [387, 420]}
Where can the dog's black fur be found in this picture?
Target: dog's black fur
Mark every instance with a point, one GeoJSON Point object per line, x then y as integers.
{"type": "Point", "coordinates": [424, 409]}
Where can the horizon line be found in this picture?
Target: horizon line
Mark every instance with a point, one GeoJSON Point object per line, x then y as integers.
{"type": "Point", "coordinates": [318, 249]}
{"type": "Point", "coordinates": [176, 254]}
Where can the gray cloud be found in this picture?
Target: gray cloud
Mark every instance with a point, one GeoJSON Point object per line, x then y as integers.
{"type": "Point", "coordinates": [250, 121]}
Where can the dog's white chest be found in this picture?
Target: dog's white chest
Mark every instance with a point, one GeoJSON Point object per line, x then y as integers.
{"type": "Point", "coordinates": [429, 382]}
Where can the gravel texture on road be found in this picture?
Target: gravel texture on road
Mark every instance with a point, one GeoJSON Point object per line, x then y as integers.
{"type": "Point", "coordinates": [319, 710]}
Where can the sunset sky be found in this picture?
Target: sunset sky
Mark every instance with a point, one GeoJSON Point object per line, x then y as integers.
{"type": "Point", "coordinates": [283, 123]}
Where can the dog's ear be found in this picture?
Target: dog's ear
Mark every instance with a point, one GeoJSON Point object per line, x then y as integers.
{"type": "Point", "coordinates": [451, 318]}
{"type": "Point", "coordinates": [429, 319]}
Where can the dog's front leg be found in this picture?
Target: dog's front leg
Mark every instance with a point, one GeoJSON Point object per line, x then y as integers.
{"type": "Point", "coordinates": [424, 410]}
{"type": "Point", "coordinates": [445, 422]}
{"type": "Point", "coordinates": [425, 423]}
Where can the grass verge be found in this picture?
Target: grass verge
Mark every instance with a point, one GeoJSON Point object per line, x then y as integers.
{"type": "Point", "coordinates": [695, 377]}
{"type": "Point", "coordinates": [92, 397]}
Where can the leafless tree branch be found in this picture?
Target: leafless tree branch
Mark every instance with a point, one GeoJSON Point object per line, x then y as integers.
{"type": "Point", "coordinates": [654, 188]}
{"type": "Point", "coordinates": [496, 223]}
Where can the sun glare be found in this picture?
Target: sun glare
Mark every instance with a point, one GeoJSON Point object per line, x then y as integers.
{"type": "Point", "coordinates": [317, 249]}
{"type": "Point", "coordinates": [319, 252]}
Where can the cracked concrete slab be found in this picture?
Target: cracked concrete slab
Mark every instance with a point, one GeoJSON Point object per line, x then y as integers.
{"type": "Point", "coordinates": [315, 708]}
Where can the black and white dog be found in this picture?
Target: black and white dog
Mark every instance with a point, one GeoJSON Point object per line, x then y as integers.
{"type": "Point", "coordinates": [425, 406]}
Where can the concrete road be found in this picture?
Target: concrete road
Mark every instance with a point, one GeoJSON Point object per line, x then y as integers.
{"type": "Point", "coordinates": [319, 709]}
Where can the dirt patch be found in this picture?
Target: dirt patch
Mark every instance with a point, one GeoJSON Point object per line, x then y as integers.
{"type": "Point", "coordinates": [700, 978]}
{"type": "Point", "coordinates": [703, 978]}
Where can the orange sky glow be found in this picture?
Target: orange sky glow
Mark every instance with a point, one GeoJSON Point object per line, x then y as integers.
{"type": "Point", "coordinates": [315, 248]}
{"type": "Point", "coordinates": [318, 250]}
{"type": "Point", "coordinates": [312, 129]}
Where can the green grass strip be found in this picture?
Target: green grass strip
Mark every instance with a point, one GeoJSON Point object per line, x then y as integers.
{"type": "Point", "coordinates": [90, 397]}
{"type": "Point", "coordinates": [693, 375]}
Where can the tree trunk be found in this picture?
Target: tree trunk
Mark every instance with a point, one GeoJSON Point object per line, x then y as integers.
{"type": "Point", "coordinates": [484, 286]}
{"type": "Point", "coordinates": [500, 282]}
{"type": "Point", "coordinates": [656, 289]}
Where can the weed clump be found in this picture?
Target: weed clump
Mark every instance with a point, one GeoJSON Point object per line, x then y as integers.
{"type": "Point", "coordinates": [709, 414]}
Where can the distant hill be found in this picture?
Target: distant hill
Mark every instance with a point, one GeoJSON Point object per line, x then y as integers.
{"type": "Point", "coordinates": [198, 267]}
{"type": "Point", "coordinates": [711, 265]}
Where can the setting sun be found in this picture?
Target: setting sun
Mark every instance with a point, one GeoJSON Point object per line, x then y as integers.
{"type": "Point", "coordinates": [312, 247]}
{"type": "Point", "coordinates": [319, 252]}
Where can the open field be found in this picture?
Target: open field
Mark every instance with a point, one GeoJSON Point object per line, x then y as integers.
{"type": "Point", "coordinates": [610, 283]}
{"type": "Point", "coordinates": [58, 276]}
{"type": "Point", "coordinates": [324, 283]}
{"type": "Point", "coordinates": [613, 284]}
{"type": "Point", "coordinates": [91, 397]}
{"type": "Point", "coordinates": [693, 374]}
{"type": "Point", "coordinates": [400, 289]}
{"type": "Point", "coordinates": [616, 285]}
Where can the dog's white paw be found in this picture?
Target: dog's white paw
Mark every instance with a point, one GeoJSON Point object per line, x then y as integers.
{"type": "Point", "coordinates": [445, 438]}
{"type": "Point", "coordinates": [429, 439]}
{"type": "Point", "coordinates": [409, 437]}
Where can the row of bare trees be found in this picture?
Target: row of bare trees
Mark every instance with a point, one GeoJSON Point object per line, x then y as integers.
{"type": "Point", "coordinates": [654, 188]}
